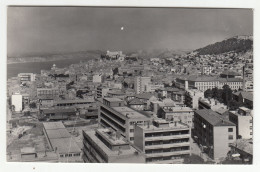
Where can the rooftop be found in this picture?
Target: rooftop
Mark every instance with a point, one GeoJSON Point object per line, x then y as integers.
{"type": "Point", "coordinates": [105, 149]}
{"type": "Point", "coordinates": [244, 145]}
{"type": "Point", "coordinates": [245, 95]}
{"type": "Point", "coordinates": [60, 138]}
{"type": "Point", "coordinates": [128, 112]}
{"type": "Point", "coordinates": [166, 125]}
{"type": "Point", "coordinates": [213, 118]}
{"type": "Point", "coordinates": [113, 99]}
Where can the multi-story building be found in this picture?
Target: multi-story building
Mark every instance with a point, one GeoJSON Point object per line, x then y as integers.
{"type": "Point", "coordinates": [244, 122]}
{"type": "Point", "coordinates": [208, 82]}
{"type": "Point", "coordinates": [24, 77]}
{"type": "Point", "coordinates": [102, 91]}
{"type": "Point", "coordinates": [211, 104]}
{"type": "Point", "coordinates": [163, 142]}
{"type": "Point", "coordinates": [213, 133]}
{"type": "Point", "coordinates": [107, 146]}
{"type": "Point", "coordinates": [17, 102]}
{"type": "Point", "coordinates": [50, 92]}
{"type": "Point", "coordinates": [141, 83]}
{"type": "Point", "coordinates": [112, 113]}
{"type": "Point", "coordinates": [192, 97]}
{"type": "Point", "coordinates": [97, 78]}
{"type": "Point", "coordinates": [179, 114]}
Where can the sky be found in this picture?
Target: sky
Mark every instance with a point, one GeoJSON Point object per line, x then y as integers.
{"type": "Point", "coordinates": [40, 30]}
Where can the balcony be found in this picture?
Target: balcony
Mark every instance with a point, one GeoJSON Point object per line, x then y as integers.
{"type": "Point", "coordinates": [162, 146]}
{"type": "Point", "coordinates": [154, 138]}
{"type": "Point", "coordinates": [162, 154]}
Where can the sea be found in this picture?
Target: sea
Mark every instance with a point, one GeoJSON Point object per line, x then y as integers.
{"type": "Point", "coordinates": [35, 67]}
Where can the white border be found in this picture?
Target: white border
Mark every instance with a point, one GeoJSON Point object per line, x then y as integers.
{"type": "Point", "coordinates": [5, 166]}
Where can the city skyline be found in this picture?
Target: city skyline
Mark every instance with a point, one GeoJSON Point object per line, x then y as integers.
{"type": "Point", "coordinates": [71, 29]}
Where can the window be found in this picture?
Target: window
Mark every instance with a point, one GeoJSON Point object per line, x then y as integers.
{"type": "Point", "coordinates": [251, 127]}
{"type": "Point", "coordinates": [230, 129]}
{"type": "Point", "coordinates": [61, 156]}
{"type": "Point", "coordinates": [251, 121]}
{"type": "Point", "coordinates": [131, 130]}
{"type": "Point", "coordinates": [70, 155]}
{"type": "Point", "coordinates": [230, 137]}
{"type": "Point", "coordinates": [131, 138]}
{"type": "Point", "coordinates": [66, 155]}
{"type": "Point", "coordinates": [251, 133]}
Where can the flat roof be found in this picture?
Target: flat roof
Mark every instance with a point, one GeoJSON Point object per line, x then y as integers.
{"type": "Point", "coordinates": [172, 126]}
{"type": "Point", "coordinates": [58, 110]}
{"type": "Point", "coordinates": [75, 101]}
{"type": "Point", "coordinates": [128, 112]}
{"type": "Point", "coordinates": [113, 99]}
{"type": "Point", "coordinates": [104, 132]}
{"type": "Point", "coordinates": [60, 138]}
{"type": "Point", "coordinates": [105, 149]}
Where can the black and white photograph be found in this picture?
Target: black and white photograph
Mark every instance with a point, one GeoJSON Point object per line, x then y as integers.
{"type": "Point", "coordinates": [146, 85]}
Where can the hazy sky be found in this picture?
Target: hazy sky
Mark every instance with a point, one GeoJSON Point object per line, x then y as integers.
{"type": "Point", "coordinates": [69, 29]}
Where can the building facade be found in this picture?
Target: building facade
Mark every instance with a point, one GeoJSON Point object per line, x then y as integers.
{"type": "Point", "coordinates": [107, 146]}
{"type": "Point", "coordinates": [163, 142]}
{"type": "Point", "coordinates": [213, 133]}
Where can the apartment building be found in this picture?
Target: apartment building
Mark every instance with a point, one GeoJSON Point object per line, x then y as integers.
{"type": "Point", "coordinates": [113, 113]}
{"type": "Point", "coordinates": [24, 77]}
{"type": "Point", "coordinates": [17, 102]}
{"type": "Point", "coordinates": [102, 92]}
{"type": "Point", "coordinates": [213, 133]}
{"type": "Point", "coordinates": [178, 114]}
{"type": "Point", "coordinates": [211, 104]}
{"type": "Point", "coordinates": [192, 97]}
{"type": "Point", "coordinates": [243, 118]}
{"type": "Point", "coordinates": [163, 142]}
{"type": "Point", "coordinates": [140, 84]}
{"type": "Point", "coordinates": [107, 146]}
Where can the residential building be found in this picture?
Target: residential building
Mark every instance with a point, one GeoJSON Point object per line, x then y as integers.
{"type": "Point", "coordinates": [243, 148]}
{"type": "Point", "coordinates": [24, 77]}
{"type": "Point", "coordinates": [107, 146]}
{"type": "Point", "coordinates": [213, 133]}
{"type": "Point", "coordinates": [141, 83]}
{"type": "Point", "coordinates": [97, 78]}
{"type": "Point", "coordinates": [163, 142]}
{"type": "Point", "coordinates": [113, 113]}
{"type": "Point", "coordinates": [178, 114]}
{"type": "Point", "coordinates": [192, 97]}
{"type": "Point", "coordinates": [51, 92]}
{"type": "Point", "coordinates": [245, 98]}
{"type": "Point", "coordinates": [211, 104]}
{"type": "Point", "coordinates": [17, 102]}
{"type": "Point", "coordinates": [243, 119]}
{"type": "Point", "coordinates": [102, 91]}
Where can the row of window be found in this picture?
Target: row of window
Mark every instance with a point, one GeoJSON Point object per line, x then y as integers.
{"type": "Point", "coordinates": [69, 155]}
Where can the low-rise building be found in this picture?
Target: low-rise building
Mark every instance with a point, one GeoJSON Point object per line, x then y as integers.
{"type": "Point", "coordinates": [192, 97]}
{"type": "Point", "coordinates": [243, 119]}
{"type": "Point", "coordinates": [61, 142]}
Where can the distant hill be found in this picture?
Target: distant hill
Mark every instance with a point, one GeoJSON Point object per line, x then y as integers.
{"type": "Point", "coordinates": [236, 44]}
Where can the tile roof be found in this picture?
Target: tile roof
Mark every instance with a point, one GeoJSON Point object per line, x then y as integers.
{"type": "Point", "coordinates": [135, 101]}
{"type": "Point", "coordinates": [213, 118]}
{"type": "Point", "coordinates": [245, 95]}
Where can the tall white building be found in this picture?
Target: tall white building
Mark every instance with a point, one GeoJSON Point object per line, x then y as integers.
{"type": "Point", "coordinates": [17, 101]}
{"type": "Point", "coordinates": [141, 84]}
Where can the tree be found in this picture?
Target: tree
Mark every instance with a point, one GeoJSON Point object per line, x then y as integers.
{"type": "Point", "coordinates": [226, 94]}
{"type": "Point", "coordinates": [208, 93]}
{"type": "Point", "coordinates": [32, 105]}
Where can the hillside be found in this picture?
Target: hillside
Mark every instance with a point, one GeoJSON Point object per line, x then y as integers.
{"type": "Point", "coordinates": [238, 44]}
